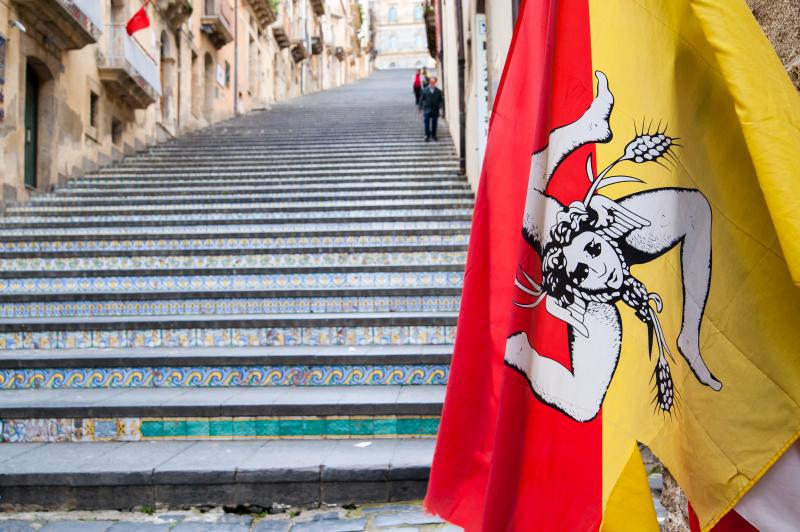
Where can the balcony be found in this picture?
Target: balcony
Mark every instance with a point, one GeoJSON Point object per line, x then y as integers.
{"type": "Point", "coordinates": [281, 31]}
{"type": "Point", "coordinates": [299, 51]}
{"type": "Point", "coordinates": [264, 12]}
{"type": "Point", "coordinates": [318, 6]}
{"type": "Point", "coordinates": [316, 45]}
{"type": "Point", "coordinates": [217, 22]}
{"type": "Point", "coordinates": [69, 24]}
{"type": "Point", "coordinates": [128, 71]}
{"type": "Point", "coordinates": [175, 12]}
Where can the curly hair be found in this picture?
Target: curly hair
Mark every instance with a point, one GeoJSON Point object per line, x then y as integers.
{"type": "Point", "coordinates": [571, 222]}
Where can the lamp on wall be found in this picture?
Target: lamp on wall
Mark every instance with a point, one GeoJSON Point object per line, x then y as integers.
{"type": "Point", "coordinates": [19, 25]}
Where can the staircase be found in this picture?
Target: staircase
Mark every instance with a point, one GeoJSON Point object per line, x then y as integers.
{"type": "Point", "coordinates": [257, 314]}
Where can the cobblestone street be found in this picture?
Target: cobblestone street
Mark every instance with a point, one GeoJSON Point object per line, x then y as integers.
{"type": "Point", "coordinates": [404, 516]}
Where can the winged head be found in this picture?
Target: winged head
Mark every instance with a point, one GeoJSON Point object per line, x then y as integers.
{"type": "Point", "coordinates": [579, 256]}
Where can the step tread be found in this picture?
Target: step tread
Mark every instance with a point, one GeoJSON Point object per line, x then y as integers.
{"type": "Point", "coordinates": [222, 402]}
{"type": "Point", "coordinates": [215, 462]}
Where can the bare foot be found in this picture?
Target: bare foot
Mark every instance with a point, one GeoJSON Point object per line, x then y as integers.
{"type": "Point", "coordinates": [690, 349]}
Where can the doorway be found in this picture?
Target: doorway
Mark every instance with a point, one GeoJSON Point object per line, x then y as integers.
{"type": "Point", "coordinates": [32, 86]}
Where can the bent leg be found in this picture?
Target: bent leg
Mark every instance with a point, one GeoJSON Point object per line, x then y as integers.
{"type": "Point", "coordinates": [579, 393]}
{"type": "Point", "coordinates": [678, 216]}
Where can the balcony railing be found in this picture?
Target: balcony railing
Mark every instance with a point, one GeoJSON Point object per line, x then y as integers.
{"type": "Point", "coordinates": [217, 22]}
{"type": "Point", "coordinates": [175, 12]}
{"type": "Point", "coordinates": [264, 12]}
{"type": "Point", "coordinates": [280, 29]}
{"type": "Point", "coordinates": [128, 71]}
{"type": "Point", "coordinates": [70, 24]}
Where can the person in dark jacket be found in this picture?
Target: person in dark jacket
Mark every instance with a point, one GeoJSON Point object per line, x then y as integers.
{"type": "Point", "coordinates": [430, 104]}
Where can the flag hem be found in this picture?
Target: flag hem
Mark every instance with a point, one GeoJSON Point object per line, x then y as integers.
{"type": "Point", "coordinates": [753, 481]}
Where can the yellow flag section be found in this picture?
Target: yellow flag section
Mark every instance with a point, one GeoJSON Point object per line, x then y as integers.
{"type": "Point", "coordinates": [705, 71]}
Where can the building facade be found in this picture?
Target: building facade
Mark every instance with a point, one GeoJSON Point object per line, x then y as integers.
{"type": "Point", "coordinates": [401, 38]}
{"type": "Point", "coordinates": [77, 92]}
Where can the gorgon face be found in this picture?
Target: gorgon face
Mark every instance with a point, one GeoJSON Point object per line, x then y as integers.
{"type": "Point", "coordinates": [592, 264]}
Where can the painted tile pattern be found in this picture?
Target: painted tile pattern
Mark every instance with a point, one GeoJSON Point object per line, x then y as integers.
{"type": "Point", "coordinates": [231, 337]}
{"type": "Point", "coordinates": [253, 217]}
{"type": "Point", "coordinates": [232, 428]}
{"type": "Point", "coordinates": [223, 376]}
{"type": "Point", "coordinates": [282, 260]}
{"type": "Point", "coordinates": [205, 307]}
{"type": "Point", "coordinates": [233, 282]}
{"type": "Point", "coordinates": [242, 242]}
{"type": "Point", "coordinates": [255, 200]}
{"type": "Point", "coordinates": [244, 228]}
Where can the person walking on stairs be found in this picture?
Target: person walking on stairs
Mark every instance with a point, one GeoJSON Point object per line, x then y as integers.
{"type": "Point", "coordinates": [430, 103]}
{"type": "Point", "coordinates": [417, 86]}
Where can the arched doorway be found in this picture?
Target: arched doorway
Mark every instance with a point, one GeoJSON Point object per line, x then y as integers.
{"type": "Point", "coordinates": [208, 107]}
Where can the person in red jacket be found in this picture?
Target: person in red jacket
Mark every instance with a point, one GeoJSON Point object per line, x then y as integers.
{"type": "Point", "coordinates": [417, 86]}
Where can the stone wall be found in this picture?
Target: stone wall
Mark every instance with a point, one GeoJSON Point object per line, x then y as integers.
{"type": "Point", "coordinates": [780, 20]}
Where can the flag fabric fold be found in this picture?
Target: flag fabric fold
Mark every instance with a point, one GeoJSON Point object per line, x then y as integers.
{"type": "Point", "coordinates": [632, 274]}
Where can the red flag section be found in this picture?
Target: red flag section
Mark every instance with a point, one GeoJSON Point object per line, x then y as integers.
{"type": "Point", "coordinates": [482, 462]}
{"type": "Point", "coordinates": [138, 21]}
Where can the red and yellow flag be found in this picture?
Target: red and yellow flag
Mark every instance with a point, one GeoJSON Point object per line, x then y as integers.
{"type": "Point", "coordinates": [633, 271]}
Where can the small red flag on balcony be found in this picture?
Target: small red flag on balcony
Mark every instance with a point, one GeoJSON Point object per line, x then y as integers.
{"type": "Point", "coordinates": [138, 21]}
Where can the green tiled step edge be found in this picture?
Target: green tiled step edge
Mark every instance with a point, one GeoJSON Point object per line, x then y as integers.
{"type": "Point", "coordinates": [237, 428]}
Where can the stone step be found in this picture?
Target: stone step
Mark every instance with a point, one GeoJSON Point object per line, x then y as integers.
{"type": "Point", "coordinates": [262, 330]}
{"type": "Point", "coordinates": [321, 163]}
{"type": "Point", "coordinates": [222, 180]}
{"type": "Point", "coordinates": [225, 367]}
{"type": "Point", "coordinates": [299, 241]}
{"type": "Point", "coordinates": [277, 227]}
{"type": "Point", "coordinates": [307, 157]}
{"type": "Point", "coordinates": [446, 216]}
{"type": "Point", "coordinates": [201, 281]}
{"type": "Point", "coordinates": [257, 215]}
{"type": "Point", "coordinates": [264, 199]}
{"type": "Point", "coordinates": [221, 402]}
{"type": "Point", "coordinates": [222, 303]}
{"type": "Point", "coordinates": [255, 203]}
{"type": "Point", "coordinates": [339, 253]}
{"type": "Point", "coordinates": [297, 473]}
{"type": "Point", "coordinates": [264, 278]}
{"type": "Point", "coordinates": [266, 172]}
{"type": "Point", "coordinates": [224, 192]}
{"type": "Point", "coordinates": [225, 144]}
{"type": "Point", "coordinates": [273, 258]}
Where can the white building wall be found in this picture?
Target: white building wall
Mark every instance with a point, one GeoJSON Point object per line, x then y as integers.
{"type": "Point", "coordinates": [401, 38]}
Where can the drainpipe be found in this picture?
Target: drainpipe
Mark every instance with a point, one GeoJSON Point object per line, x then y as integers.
{"type": "Point", "coordinates": [462, 118]}
{"type": "Point", "coordinates": [235, 57]}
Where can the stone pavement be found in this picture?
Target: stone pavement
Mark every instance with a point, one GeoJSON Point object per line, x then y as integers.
{"type": "Point", "coordinates": [396, 517]}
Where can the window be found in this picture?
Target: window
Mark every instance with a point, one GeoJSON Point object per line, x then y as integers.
{"type": "Point", "coordinates": [116, 131]}
{"type": "Point", "coordinates": [227, 74]}
{"type": "Point", "coordinates": [392, 42]}
{"type": "Point", "coordinates": [418, 13]}
{"type": "Point", "coordinates": [392, 16]}
{"type": "Point", "coordinates": [418, 41]}
{"type": "Point", "coordinates": [94, 101]}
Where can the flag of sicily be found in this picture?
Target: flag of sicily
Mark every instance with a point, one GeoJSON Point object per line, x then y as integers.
{"type": "Point", "coordinates": [633, 275]}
